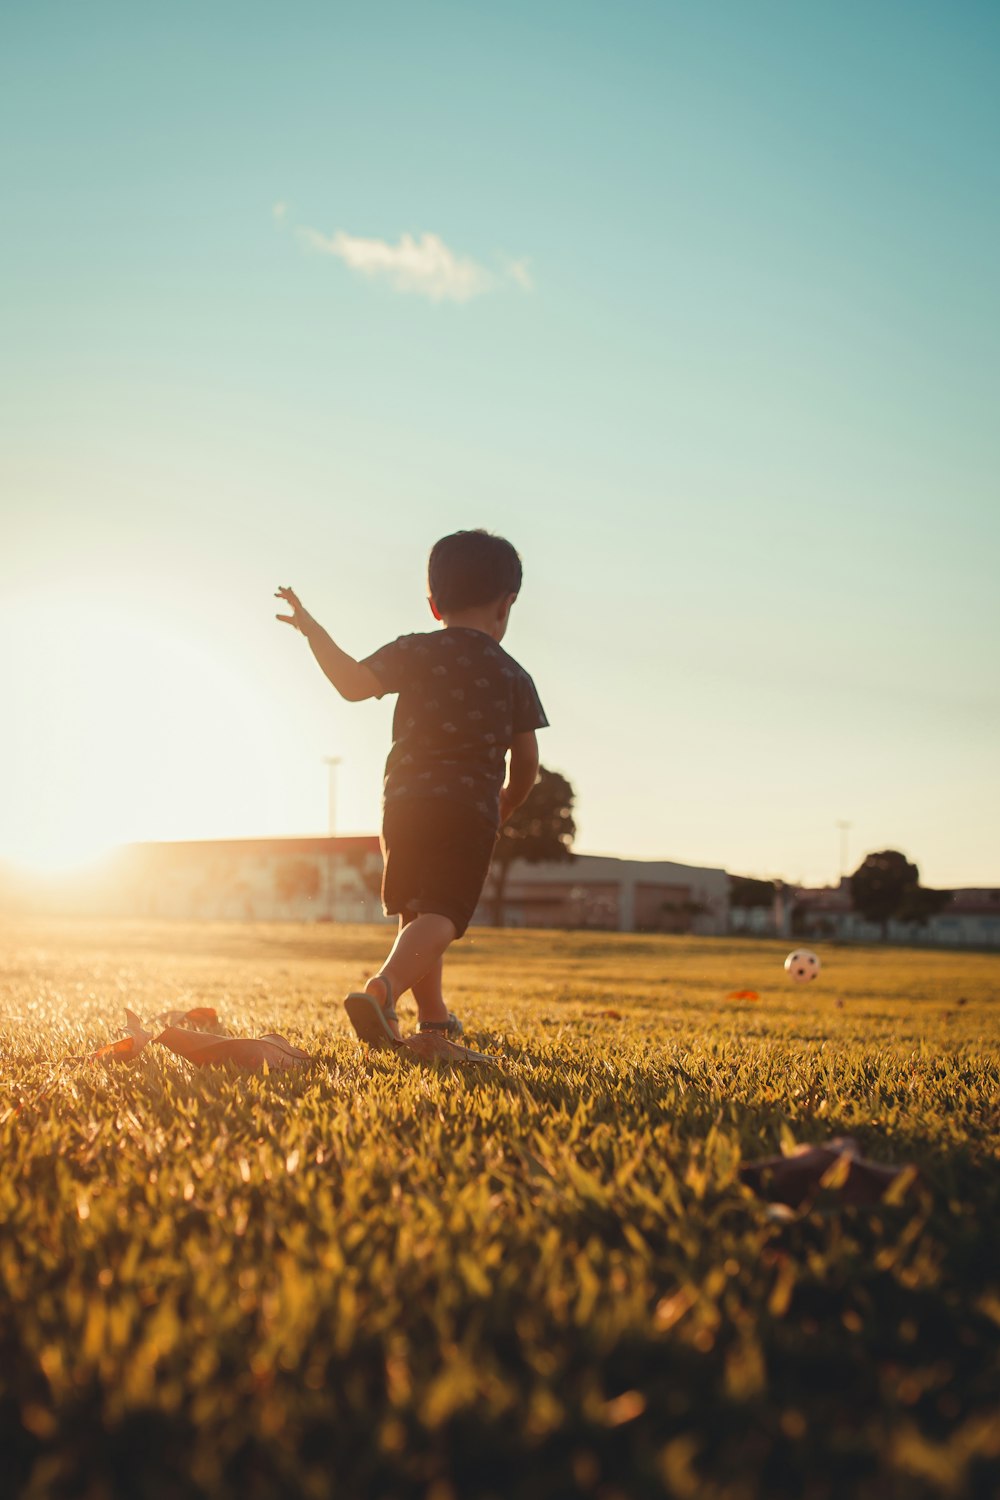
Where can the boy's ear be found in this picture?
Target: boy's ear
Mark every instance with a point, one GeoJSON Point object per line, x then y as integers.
{"type": "Point", "coordinates": [434, 609]}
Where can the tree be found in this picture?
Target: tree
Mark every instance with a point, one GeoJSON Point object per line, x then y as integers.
{"type": "Point", "coordinates": [747, 892]}
{"type": "Point", "coordinates": [919, 903]}
{"type": "Point", "coordinates": [541, 829]}
{"type": "Point", "coordinates": [882, 884]}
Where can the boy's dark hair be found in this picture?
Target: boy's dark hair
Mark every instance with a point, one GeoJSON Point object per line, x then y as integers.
{"type": "Point", "coordinates": [471, 568]}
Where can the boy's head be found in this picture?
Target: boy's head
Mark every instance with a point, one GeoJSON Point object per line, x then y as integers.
{"type": "Point", "coordinates": [473, 573]}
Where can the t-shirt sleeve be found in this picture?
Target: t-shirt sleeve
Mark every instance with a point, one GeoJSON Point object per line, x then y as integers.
{"type": "Point", "coordinates": [392, 663]}
{"type": "Point", "coordinates": [528, 710]}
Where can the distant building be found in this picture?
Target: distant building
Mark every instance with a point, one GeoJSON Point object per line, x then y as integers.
{"type": "Point", "coordinates": [287, 879]}
{"type": "Point", "coordinates": [826, 912]}
{"type": "Point", "coordinates": [971, 919]}
{"type": "Point", "coordinates": [613, 895]}
{"type": "Point", "coordinates": [762, 908]}
{"type": "Point", "coordinates": [339, 880]}
{"type": "Point", "coordinates": [244, 880]}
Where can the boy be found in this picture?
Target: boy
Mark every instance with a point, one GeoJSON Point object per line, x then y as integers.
{"type": "Point", "coordinates": [462, 704]}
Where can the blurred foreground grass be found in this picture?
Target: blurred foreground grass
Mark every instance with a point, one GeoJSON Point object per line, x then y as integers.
{"type": "Point", "coordinates": [376, 1278]}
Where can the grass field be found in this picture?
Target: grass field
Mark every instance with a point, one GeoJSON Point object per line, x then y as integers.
{"type": "Point", "coordinates": [387, 1279]}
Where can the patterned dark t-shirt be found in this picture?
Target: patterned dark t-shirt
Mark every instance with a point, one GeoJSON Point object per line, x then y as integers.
{"type": "Point", "coordinates": [461, 701]}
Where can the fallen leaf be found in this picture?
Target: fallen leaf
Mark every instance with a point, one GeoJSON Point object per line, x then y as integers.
{"type": "Point", "coordinates": [129, 1046]}
{"type": "Point", "coordinates": [743, 995]}
{"type": "Point", "coordinates": [206, 1049]}
{"type": "Point", "coordinates": [432, 1046]}
{"type": "Point", "coordinates": [201, 1016]}
{"type": "Point", "coordinates": [836, 1165]}
{"type": "Point", "coordinates": [122, 1049]}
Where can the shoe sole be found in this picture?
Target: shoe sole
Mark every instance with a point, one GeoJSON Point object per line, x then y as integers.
{"type": "Point", "coordinates": [365, 1015]}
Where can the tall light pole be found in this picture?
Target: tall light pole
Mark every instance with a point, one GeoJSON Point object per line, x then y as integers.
{"type": "Point", "coordinates": [845, 829]}
{"type": "Point", "coordinates": [331, 762]}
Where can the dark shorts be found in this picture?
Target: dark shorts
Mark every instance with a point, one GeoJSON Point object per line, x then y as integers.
{"type": "Point", "coordinates": [437, 857]}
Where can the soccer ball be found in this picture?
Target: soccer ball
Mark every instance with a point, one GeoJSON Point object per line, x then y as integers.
{"type": "Point", "coordinates": [802, 965]}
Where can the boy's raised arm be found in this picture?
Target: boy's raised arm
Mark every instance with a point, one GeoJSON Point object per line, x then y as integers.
{"type": "Point", "coordinates": [352, 679]}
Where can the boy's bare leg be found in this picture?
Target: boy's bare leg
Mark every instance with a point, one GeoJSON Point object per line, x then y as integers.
{"type": "Point", "coordinates": [428, 994]}
{"type": "Point", "coordinates": [419, 948]}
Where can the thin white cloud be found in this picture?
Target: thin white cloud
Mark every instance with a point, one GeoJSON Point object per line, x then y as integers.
{"type": "Point", "coordinates": [422, 264]}
{"type": "Point", "coordinates": [519, 271]}
{"type": "Point", "coordinates": [279, 210]}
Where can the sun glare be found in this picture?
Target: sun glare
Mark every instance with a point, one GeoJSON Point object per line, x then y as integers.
{"type": "Point", "coordinates": [63, 856]}
{"type": "Point", "coordinates": [120, 729]}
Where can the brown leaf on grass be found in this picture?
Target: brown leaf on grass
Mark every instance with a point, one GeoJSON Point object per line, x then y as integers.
{"type": "Point", "coordinates": [836, 1166]}
{"type": "Point", "coordinates": [202, 1015]}
{"type": "Point", "coordinates": [199, 1016]}
{"type": "Point", "coordinates": [611, 1015]}
{"type": "Point", "coordinates": [743, 995]}
{"type": "Point", "coordinates": [129, 1046]}
{"type": "Point", "coordinates": [431, 1046]}
{"type": "Point", "coordinates": [121, 1051]}
{"type": "Point", "coordinates": [207, 1050]}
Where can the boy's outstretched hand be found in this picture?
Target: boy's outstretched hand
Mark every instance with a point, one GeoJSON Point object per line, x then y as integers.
{"type": "Point", "coordinates": [300, 617]}
{"type": "Point", "coordinates": [353, 679]}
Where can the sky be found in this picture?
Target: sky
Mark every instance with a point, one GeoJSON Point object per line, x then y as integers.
{"type": "Point", "coordinates": [698, 305]}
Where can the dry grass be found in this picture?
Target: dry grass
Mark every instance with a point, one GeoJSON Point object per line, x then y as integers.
{"type": "Point", "coordinates": [377, 1278]}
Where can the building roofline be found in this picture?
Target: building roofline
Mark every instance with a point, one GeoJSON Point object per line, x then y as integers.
{"type": "Point", "coordinates": [627, 859]}
{"type": "Point", "coordinates": [306, 842]}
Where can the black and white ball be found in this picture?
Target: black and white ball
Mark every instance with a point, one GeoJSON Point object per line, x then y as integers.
{"type": "Point", "coordinates": [802, 965]}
